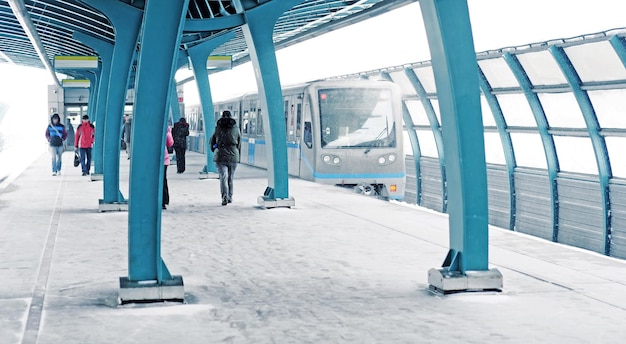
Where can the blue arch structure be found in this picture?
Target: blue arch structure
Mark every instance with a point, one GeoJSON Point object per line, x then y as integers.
{"type": "Point", "coordinates": [258, 32]}
{"type": "Point", "coordinates": [454, 63]}
{"type": "Point", "coordinates": [198, 56]}
{"type": "Point", "coordinates": [162, 27]}
{"type": "Point", "coordinates": [599, 145]}
{"type": "Point", "coordinates": [505, 138]}
{"type": "Point", "coordinates": [105, 52]}
{"type": "Point", "coordinates": [415, 145]}
{"type": "Point", "coordinates": [436, 129]}
{"type": "Point", "coordinates": [546, 138]}
{"type": "Point", "coordinates": [126, 22]}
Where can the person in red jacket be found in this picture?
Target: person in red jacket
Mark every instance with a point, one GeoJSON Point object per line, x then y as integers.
{"type": "Point", "coordinates": [83, 141]}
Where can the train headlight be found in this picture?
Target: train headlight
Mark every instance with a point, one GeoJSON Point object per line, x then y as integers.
{"type": "Point", "coordinates": [387, 159]}
{"type": "Point", "coordinates": [331, 159]}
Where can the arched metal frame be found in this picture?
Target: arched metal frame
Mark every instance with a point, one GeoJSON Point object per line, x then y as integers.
{"type": "Point", "coordinates": [505, 137]}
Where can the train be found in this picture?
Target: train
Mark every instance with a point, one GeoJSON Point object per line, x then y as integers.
{"type": "Point", "coordinates": [339, 132]}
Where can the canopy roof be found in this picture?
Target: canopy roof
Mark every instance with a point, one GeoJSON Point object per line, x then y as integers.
{"type": "Point", "coordinates": [54, 21]}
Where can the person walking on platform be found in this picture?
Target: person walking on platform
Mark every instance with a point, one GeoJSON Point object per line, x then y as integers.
{"type": "Point", "coordinates": [70, 134]}
{"type": "Point", "coordinates": [227, 141]}
{"type": "Point", "coordinates": [169, 142]}
{"type": "Point", "coordinates": [180, 133]}
{"type": "Point", "coordinates": [128, 121]}
{"type": "Point", "coordinates": [56, 134]}
{"type": "Point", "coordinates": [83, 141]}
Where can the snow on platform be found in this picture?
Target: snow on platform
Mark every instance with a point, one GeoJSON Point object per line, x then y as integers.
{"type": "Point", "coordinates": [337, 268]}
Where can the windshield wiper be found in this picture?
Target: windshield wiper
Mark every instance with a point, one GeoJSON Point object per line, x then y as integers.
{"type": "Point", "coordinates": [374, 142]}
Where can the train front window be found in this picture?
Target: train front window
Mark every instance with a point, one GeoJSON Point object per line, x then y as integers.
{"type": "Point", "coordinates": [356, 118]}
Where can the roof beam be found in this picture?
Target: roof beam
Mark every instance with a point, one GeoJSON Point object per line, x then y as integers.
{"type": "Point", "coordinates": [4, 56]}
{"type": "Point", "coordinates": [19, 10]}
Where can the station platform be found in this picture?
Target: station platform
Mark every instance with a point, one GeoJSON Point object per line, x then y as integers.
{"type": "Point", "coordinates": [338, 267]}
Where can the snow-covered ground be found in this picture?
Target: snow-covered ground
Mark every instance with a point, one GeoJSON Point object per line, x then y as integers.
{"type": "Point", "coordinates": [337, 268]}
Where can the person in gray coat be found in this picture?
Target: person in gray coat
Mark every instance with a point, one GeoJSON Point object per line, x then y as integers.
{"type": "Point", "coordinates": [128, 122]}
{"type": "Point", "coordinates": [226, 144]}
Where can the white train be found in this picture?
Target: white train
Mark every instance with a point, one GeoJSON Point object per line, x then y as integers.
{"type": "Point", "coordinates": [342, 132]}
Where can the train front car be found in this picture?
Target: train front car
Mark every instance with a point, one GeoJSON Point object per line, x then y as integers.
{"type": "Point", "coordinates": [353, 136]}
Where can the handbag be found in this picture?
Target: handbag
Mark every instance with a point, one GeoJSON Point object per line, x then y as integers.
{"type": "Point", "coordinates": [76, 159]}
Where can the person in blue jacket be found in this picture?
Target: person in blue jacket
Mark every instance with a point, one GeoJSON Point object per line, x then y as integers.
{"type": "Point", "coordinates": [56, 134]}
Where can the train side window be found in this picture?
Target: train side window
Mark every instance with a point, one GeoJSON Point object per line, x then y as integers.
{"type": "Point", "coordinates": [308, 135]}
{"type": "Point", "coordinates": [246, 122]}
{"type": "Point", "coordinates": [259, 123]}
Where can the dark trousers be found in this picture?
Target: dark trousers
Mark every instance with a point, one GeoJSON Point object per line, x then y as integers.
{"type": "Point", "coordinates": [166, 190]}
{"type": "Point", "coordinates": [85, 159]}
{"type": "Point", "coordinates": [180, 159]}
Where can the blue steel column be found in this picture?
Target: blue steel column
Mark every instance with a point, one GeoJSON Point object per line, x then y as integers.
{"type": "Point", "coordinates": [434, 126]}
{"type": "Point", "coordinates": [505, 137]}
{"type": "Point", "coordinates": [599, 145]}
{"type": "Point", "coordinates": [126, 22]}
{"type": "Point", "coordinates": [546, 138]}
{"type": "Point", "coordinates": [105, 51]}
{"type": "Point", "coordinates": [415, 145]}
{"type": "Point", "coordinates": [258, 32]}
{"type": "Point", "coordinates": [456, 75]}
{"type": "Point", "coordinates": [198, 56]}
{"type": "Point", "coordinates": [162, 28]}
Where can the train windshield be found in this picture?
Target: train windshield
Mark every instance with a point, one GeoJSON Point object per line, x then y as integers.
{"type": "Point", "coordinates": [356, 117]}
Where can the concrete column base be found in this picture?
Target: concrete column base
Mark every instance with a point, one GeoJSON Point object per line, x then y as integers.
{"type": "Point", "coordinates": [443, 281]}
{"type": "Point", "coordinates": [96, 177]}
{"type": "Point", "coordinates": [267, 202]}
{"type": "Point", "coordinates": [115, 206]}
{"type": "Point", "coordinates": [151, 290]}
{"type": "Point", "coordinates": [209, 175]}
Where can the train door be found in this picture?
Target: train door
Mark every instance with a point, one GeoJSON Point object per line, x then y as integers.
{"type": "Point", "coordinates": [293, 117]}
{"type": "Point", "coordinates": [307, 152]}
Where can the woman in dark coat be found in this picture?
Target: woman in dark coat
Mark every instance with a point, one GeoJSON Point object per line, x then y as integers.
{"type": "Point", "coordinates": [226, 143]}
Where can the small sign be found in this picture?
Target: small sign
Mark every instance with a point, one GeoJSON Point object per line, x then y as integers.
{"type": "Point", "coordinates": [75, 62]}
{"type": "Point", "coordinates": [76, 83]}
{"type": "Point", "coordinates": [219, 62]}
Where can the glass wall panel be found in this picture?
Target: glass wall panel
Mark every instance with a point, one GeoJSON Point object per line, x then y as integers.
{"type": "Point", "coordinates": [498, 73]}
{"type": "Point", "coordinates": [427, 78]}
{"type": "Point", "coordinates": [575, 154]}
{"type": "Point", "coordinates": [488, 120]}
{"type": "Point", "coordinates": [610, 107]}
{"type": "Point", "coordinates": [516, 110]}
{"type": "Point", "coordinates": [408, 149]}
{"type": "Point", "coordinates": [418, 114]}
{"type": "Point", "coordinates": [528, 150]}
{"type": "Point", "coordinates": [427, 143]}
{"type": "Point", "coordinates": [562, 110]}
{"type": "Point", "coordinates": [494, 153]}
{"type": "Point", "coordinates": [402, 80]}
{"type": "Point", "coordinates": [541, 68]}
{"type": "Point", "coordinates": [615, 146]}
{"type": "Point", "coordinates": [596, 62]}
